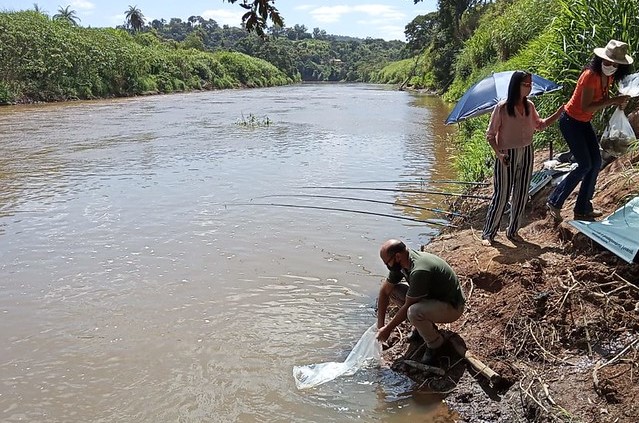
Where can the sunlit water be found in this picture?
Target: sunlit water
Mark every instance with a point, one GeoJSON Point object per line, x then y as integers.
{"type": "Point", "coordinates": [143, 278]}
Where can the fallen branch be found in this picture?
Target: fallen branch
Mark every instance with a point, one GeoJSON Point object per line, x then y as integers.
{"type": "Point", "coordinates": [425, 367]}
{"type": "Point", "coordinates": [470, 292]}
{"type": "Point", "coordinates": [615, 358]}
{"type": "Point", "coordinates": [482, 368]}
{"type": "Point", "coordinates": [565, 297]}
{"type": "Point", "coordinates": [586, 328]}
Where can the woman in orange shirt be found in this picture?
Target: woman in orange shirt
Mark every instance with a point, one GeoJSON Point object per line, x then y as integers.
{"type": "Point", "coordinates": [610, 64]}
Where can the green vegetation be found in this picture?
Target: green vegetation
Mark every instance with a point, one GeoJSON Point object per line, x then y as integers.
{"type": "Point", "coordinates": [44, 60]}
{"type": "Point", "coordinates": [315, 56]}
{"type": "Point", "coordinates": [552, 38]}
{"type": "Point", "coordinates": [48, 59]}
{"type": "Point", "coordinates": [252, 121]}
{"type": "Point", "coordinates": [66, 14]}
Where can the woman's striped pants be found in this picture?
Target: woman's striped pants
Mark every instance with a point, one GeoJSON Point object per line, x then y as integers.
{"type": "Point", "coordinates": [512, 179]}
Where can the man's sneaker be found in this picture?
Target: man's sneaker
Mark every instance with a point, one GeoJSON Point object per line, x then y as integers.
{"type": "Point", "coordinates": [554, 212]}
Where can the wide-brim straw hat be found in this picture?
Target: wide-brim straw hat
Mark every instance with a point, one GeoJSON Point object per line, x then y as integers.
{"type": "Point", "coordinates": [615, 51]}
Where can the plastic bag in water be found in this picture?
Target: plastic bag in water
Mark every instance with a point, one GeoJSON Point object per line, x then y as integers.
{"type": "Point", "coordinates": [367, 350]}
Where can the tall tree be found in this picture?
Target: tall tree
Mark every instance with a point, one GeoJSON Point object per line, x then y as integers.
{"type": "Point", "coordinates": [421, 30]}
{"type": "Point", "coordinates": [157, 24]}
{"type": "Point", "coordinates": [134, 18]}
{"type": "Point", "coordinates": [67, 15]}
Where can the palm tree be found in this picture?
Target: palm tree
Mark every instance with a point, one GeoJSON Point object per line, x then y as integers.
{"type": "Point", "coordinates": [68, 15]}
{"type": "Point", "coordinates": [134, 18]}
{"type": "Point", "coordinates": [37, 8]}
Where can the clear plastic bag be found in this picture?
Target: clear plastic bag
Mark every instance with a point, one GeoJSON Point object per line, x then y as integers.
{"type": "Point", "coordinates": [629, 85]}
{"type": "Point", "coordinates": [367, 350]}
{"type": "Point", "coordinates": [619, 134]}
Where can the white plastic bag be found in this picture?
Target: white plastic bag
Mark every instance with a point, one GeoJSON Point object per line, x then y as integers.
{"type": "Point", "coordinates": [629, 85]}
{"type": "Point", "coordinates": [618, 136]}
{"type": "Point", "coordinates": [367, 350]}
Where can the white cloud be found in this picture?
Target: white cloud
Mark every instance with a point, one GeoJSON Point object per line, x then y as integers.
{"type": "Point", "coordinates": [332, 14]}
{"type": "Point", "coordinates": [82, 5]}
{"type": "Point", "coordinates": [329, 14]}
{"type": "Point", "coordinates": [224, 17]}
{"type": "Point", "coordinates": [382, 11]}
{"type": "Point", "coordinates": [304, 7]}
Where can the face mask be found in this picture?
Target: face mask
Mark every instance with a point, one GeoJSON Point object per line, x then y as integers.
{"type": "Point", "coordinates": [608, 70]}
{"type": "Point", "coordinates": [395, 267]}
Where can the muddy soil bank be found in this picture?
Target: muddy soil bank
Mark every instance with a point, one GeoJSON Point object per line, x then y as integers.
{"type": "Point", "coordinates": [557, 316]}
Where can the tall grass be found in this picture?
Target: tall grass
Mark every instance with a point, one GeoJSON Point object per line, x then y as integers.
{"type": "Point", "coordinates": [557, 50]}
{"type": "Point", "coordinates": [504, 30]}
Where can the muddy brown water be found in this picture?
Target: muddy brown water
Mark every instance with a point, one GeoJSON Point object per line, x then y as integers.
{"type": "Point", "coordinates": [135, 288]}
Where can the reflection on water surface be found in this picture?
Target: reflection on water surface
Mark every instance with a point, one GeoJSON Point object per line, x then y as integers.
{"type": "Point", "coordinates": [135, 288]}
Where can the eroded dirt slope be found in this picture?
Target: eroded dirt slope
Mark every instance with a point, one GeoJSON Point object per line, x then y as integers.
{"type": "Point", "coordinates": [557, 316]}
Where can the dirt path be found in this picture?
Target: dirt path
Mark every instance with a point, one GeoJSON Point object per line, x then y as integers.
{"type": "Point", "coordinates": [557, 316]}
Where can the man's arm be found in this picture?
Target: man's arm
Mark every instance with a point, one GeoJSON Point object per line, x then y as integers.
{"type": "Point", "coordinates": [383, 300]}
{"type": "Point", "coordinates": [384, 332]}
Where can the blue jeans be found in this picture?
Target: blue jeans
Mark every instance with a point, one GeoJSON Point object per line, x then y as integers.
{"type": "Point", "coordinates": [583, 144]}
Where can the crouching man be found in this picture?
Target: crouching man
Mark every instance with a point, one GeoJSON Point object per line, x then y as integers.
{"type": "Point", "coordinates": [430, 294]}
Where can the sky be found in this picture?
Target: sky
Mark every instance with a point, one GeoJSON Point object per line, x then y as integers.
{"type": "Point", "coordinates": [358, 18]}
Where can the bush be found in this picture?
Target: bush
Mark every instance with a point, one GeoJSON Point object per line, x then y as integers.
{"type": "Point", "coordinates": [147, 84]}
{"type": "Point", "coordinates": [6, 94]}
{"type": "Point", "coordinates": [50, 60]}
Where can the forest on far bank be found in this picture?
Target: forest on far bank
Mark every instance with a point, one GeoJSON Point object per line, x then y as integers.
{"type": "Point", "coordinates": [52, 58]}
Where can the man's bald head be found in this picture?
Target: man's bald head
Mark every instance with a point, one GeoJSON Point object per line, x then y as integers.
{"type": "Point", "coordinates": [390, 248]}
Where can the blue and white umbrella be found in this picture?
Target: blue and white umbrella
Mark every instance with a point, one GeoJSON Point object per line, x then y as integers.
{"type": "Point", "coordinates": [483, 96]}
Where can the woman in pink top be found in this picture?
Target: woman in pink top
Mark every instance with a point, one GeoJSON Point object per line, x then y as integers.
{"type": "Point", "coordinates": [510, 134]}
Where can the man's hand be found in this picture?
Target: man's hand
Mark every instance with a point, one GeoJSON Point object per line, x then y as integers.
{"type": "Point", "coordinates": [383, 333]}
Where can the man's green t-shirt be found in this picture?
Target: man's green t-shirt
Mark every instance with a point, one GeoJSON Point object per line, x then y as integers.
{"type": "Point", "coordinates": [430, 277]}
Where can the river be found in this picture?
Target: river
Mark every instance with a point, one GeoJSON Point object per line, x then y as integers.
{"type": "Point", "coordinates": [146, 275]}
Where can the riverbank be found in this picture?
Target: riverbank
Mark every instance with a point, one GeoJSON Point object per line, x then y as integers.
{"type": "Point", "coordinates": [556, 316]}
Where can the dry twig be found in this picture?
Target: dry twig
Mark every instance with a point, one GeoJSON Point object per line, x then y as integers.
{"type": "Point", "coordinates": [595, 378]}
{"type": "Point", "coordinates": [586, 328]}
{"type": "Point", "coordinates": [544, 386]}
{"type": "Point", "coordinates": [546, 352]}
{"type": "Point", "coordinates": [530, 395]}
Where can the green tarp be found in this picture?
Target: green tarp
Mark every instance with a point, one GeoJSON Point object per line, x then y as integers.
{"type": "Point", "coordinates": [619, 232]}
